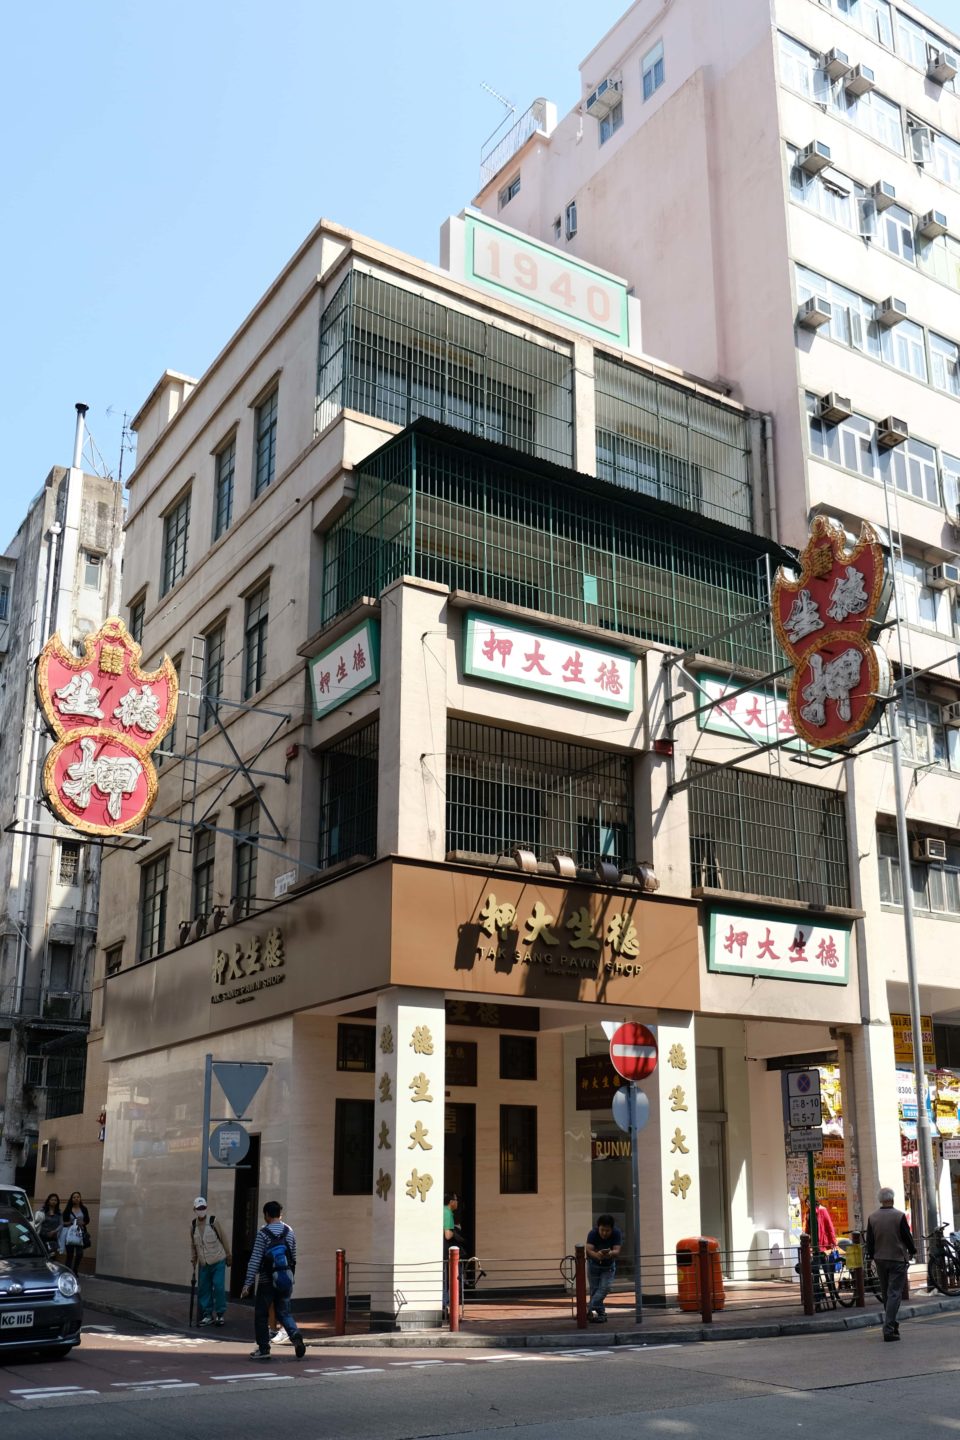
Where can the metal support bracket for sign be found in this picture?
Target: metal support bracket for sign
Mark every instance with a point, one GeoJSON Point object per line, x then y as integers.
{"type": "Point", "coordinates": [132, 840]}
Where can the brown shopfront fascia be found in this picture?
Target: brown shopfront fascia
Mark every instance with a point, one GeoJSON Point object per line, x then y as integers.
{"type": "Point", "coordinates": [398, 922]}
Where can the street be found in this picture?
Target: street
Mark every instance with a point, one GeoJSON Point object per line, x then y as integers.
{"type": "Point", "coordinates": [126, 1380]}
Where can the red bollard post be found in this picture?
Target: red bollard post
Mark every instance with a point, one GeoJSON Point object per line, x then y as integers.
{"type": "Point", "coordinates": [453, 1280]}
{"type": "Point", "coordinates": [806, 1275]}
{"type": "Point", "coordinates": [580, 1286]}
{"type": "Point", "coordinates": [706, 1282]}
{"type": "Point", "coordinates": [340, 1300]}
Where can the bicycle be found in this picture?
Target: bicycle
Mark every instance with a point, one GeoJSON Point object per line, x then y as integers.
{"type": "Point", "coordinates": [943, 1269]}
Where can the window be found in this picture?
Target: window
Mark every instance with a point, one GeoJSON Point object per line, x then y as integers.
{"type": "Point", "coordinates": [611, 122]}
{"type": "Point", "coordinates": [873, 113]}
{"type": "Point", "coordinates": [518, 1057]}
{"type": "Point", "coordinates": [4, 602]}
{"type": "Point", "coordinates": [919, 604]}
{"type": "Point", "coordinates": [356, 1048]}
{"type": "Point", "coordinates": [946, 158]}
{"type": "Point", "coordinates": [765, 836]}
{"type": "Point", "coordinates": [509, 190]}
{"type": "Point", "coordinates": [518, 1150]}
{"type": "Point", "coordinates": [113, 959]}
{"type": "Point", "coordinates": [153, 906]}
{"type": "Point", "coordinates": [225, 463]}
{"type": "Point", "coordinates": [852, 322]}
{"type": "Point", "coordinates": [348, 797]}
{"type": "Point", "coordinates": [912, 468]}
{"type": "Point", "coordinates": [944, 364]}
{"type": "Point", "coordinates": [872, 17]}
{"type": "Point", "coordinates": [902, 347]}
{"type": "Point", "coordinates": [940, 258]}
{"type": "Point", "coordinates": [353, 1147]}
{"type": "Point", "coordinates": [828, 192]}
{"type": "Point", "coordinates": [265, 442]}
{"type": "Point", "coordinates": [247, 825]}
{"type": "Point", "coordinates": [176, 527]}
{"type": "Point", "coordinates": [204, 846]}
{"type": "Point", "coordinates": [570, 220]}
{"type": "Point", "coordinates": [935, 884]}
{"type": "Point", "coordinates": [137, 612]}
{"type": "Point", "coordinates": [213, 662]}
{"type": "Point", "coordinates": [896, 234]}
{"type": "Point", "coordinates": [92, 570]}
{"type": "Point", "coordinates": [951, 483]}
{"type": "Point", "coordinates": [925, 738]}
{"type": "Point", "coordinates": [505, 790]}
{"type": "Point", "coordinates": [168, 748]}
{"type": "Point", "coordinates": [651, 70]}
{"type": "Point", "coordinates": [916, 44]}
{"type": "Point", "coordinates": [69, 868]}
{"type": "Point", "coordinates": [255, 641]}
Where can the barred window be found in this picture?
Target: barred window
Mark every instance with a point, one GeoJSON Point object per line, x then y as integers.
{"type": "Point", "coordinates": [225, 465]}
{"type": "Point", "coordinates": [760, 835]}
{"type": "Point", "coordinates": [247, 825]}
{"type": "Point", "coordinates": [215, 645]}
{"type": "Point", "coordinates": [348, 797]}
{"type": "Point", "coordinates": [154, 878]}
{"type": "Point", "coordinates": [69, 873]}
{"type": "Point", "coordinates": [204, 847]}
{"type": "Point", "coordinates": [506, 790]}
{"type": "Point", "coordinates": [255, 641]}
{"type": "Point", "coordinates": [265, 442]}
{"type": "Point", "coordinates": [176, 528]}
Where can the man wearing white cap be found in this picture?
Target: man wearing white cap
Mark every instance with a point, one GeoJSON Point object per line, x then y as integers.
{"type": "Point", "coordinates": [210, 1254]}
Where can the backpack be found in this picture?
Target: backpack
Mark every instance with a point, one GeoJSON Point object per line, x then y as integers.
{"type": "Point", "coordinates": [276, 1264]}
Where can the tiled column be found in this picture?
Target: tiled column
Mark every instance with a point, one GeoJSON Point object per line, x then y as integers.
{"type": "Point", "coordinates": [407, 1239]}
{"type": "Point", "coordinates": [669, 1150]}
{"type": "Point", "coordinates": [878, 1125]}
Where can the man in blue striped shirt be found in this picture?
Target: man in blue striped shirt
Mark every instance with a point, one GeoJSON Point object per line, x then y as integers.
{"type": "Point", "coordinates": [273, 1260]}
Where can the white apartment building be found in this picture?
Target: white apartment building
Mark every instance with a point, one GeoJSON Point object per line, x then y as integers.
{"type": "Point", "coordinates": [60, 573]}
{"type": "Point", "coordinates": [779, 181]}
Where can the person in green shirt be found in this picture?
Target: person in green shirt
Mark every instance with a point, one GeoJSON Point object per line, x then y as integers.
{"type": "Point", "coordinates": [451, 1236]}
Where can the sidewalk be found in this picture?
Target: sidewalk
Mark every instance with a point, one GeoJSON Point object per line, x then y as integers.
{"type": "Point", "coordinates": [530, 1324]}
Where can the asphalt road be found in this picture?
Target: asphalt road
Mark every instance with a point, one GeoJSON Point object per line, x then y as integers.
{"type": "Point", "coordinates": [130, 1382]}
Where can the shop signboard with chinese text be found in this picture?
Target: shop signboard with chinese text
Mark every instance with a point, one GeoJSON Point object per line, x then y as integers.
{"type": "Point", "coordinates": [547, 661]}
{"type": "Point", "coordinates": [597, 1082]}
{"type": "Point", "coordinates": [742, 942]}
{"type": "Point", "coordinates": [758, 715]}
{"type": "Point", "coordinates": [107, 715]}
{"type": "Point", "coordinates": [805, 1142]}
{"type": "Point", "coordinates": [826, 620]}
{"type": "Point", "coordinates": [344, 669]}
{"type": "Point", "coordinates": [903, 1038]}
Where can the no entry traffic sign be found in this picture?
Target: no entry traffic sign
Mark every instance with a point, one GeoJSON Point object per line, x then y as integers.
{"type": "Point", "coordinates": [633, 1051]}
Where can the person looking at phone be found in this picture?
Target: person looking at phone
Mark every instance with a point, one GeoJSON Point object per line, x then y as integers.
{"type": "Point", "coordinates": [603, 1247]}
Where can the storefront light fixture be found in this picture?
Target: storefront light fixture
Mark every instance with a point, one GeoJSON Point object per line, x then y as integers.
{"type": "Point", "coordinates": [564, 864]}
{"type": "Point", "coordinates": [525, 860]}
{"type": "Point", "coordinates": [607, 873]}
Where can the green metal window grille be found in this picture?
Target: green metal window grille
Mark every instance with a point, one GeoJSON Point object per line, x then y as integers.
{"type": "Point", "coordinates": [137, 612]}
{"type": "Point", "coordinates": [204, 846]}
{"type": "Point", "coordinates": [153, 906]}
{"type": "Point", "coordinates": [265, 443]}
{"type": "Point", "coordinates": [255, 641]}
{"type": "Point", "coordinates": [663, 441]}
{"type": "Point", "coordinates": [213, 662]}
{"type": "Point", "coordinates": [387, 352]}
{"type": "Point", "coordinates": [225, 466]}
{"type": "Point", "coordinates": [426, 508]}
{"type": "Point", "coordinates": [247, 824]}
{"type": "Point", "coordinates": [176, 528]}
{"type": "Point", "coordinates": [348, 796]}
{"type": "Point", "coordinates": [760, 835]}
{"type": "Point", "coordinates": [506, 790]}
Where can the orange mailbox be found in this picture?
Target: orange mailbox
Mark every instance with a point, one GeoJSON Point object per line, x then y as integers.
{"type": "Point", "coordinates": [688, 1272]}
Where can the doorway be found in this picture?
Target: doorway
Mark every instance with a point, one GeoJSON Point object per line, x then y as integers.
{"type": "Point", "coordinates": [246, 1214]}
{"type": "Point", "coordinates": [460, 1166]}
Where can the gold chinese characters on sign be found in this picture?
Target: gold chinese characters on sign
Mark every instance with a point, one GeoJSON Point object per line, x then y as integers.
{"type": "Point", "coordinates": [248, 966]}
{"type": "Point", "coordinates": [578, 944]}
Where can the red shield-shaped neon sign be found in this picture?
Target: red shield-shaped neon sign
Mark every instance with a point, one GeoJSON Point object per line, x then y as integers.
{"type": "Point", "coordinates": [825, 621]}
{"type": "Point", "coordinates": [107, 715]}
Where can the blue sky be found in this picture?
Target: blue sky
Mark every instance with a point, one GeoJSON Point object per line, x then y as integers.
{"type": "Point", "coordinates": [163, 163]}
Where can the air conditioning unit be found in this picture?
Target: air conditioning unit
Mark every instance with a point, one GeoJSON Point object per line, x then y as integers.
{"type": "Point", "coordinates": [932, 224]}
{"type": "Point", "coordinates": [883, 194]}
{"type": "Point", "coordinates": [891, 432]}
{"type": "Point", "coordinates": [950, 715]}
{"type": "Point", "coordinates": [942, 65]}
{"type": "Point", "coordinates": [860, 81]}
{"type": "Point", "coordinates": [834, 408]}
{"type": "Point", "coordinates": [836, 64]}
{"type": "Point", "coordinates": [890, 311]}
{"type": "Point", "coordinates": [921, 144]}
{"type": "Point", "coordinates": [942, 577]}
{"type": "Point", "coordinates": [815, 312]}
{"type": "Point", "coordinates": [929, 848]}
{"type": "Point", "coordinates": [814, 157]}
{"type": "Point", "coordinates": [607, 94]}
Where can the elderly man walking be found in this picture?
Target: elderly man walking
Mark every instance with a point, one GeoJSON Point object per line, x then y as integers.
{"type": "Point", "coordinates": [890, 1245]}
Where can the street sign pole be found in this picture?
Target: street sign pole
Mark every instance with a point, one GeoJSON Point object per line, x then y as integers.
{"type": "Point", "coordinates": [205, 1127]}
{"type": "Point", "coordinates": [635, 1177]}
{"type": "Point", "coordinates": [814, 1227]}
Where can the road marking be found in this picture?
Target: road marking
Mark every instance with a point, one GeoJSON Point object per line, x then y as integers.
{"type": "Point", "coordinates": [48, 1390]}
{"type": "Point", "coordinates": [346, 1370]}
{"type": "Point", "coordinates": [252, 1375]}
{"type": "Point", "coordinates": [411, 1364]}
{"type": "Point", "coordinates": [155, 1384]}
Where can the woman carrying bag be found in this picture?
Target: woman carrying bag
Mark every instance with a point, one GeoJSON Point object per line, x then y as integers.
{"type": "Point", "coordinates": [76, 1236]}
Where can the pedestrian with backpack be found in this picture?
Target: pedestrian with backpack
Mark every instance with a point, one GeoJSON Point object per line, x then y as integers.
{"type": "Point", "coordinates": [273, 1261]}
{"type": "Point", "coordinates": [210, 1255]}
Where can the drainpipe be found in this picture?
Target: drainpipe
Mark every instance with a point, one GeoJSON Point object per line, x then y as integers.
{"type": "Point", "coordinates": [771, 477]}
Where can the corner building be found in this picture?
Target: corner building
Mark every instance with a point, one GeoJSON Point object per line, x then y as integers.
{"type": "Point", "coordinates": [432, 616]}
